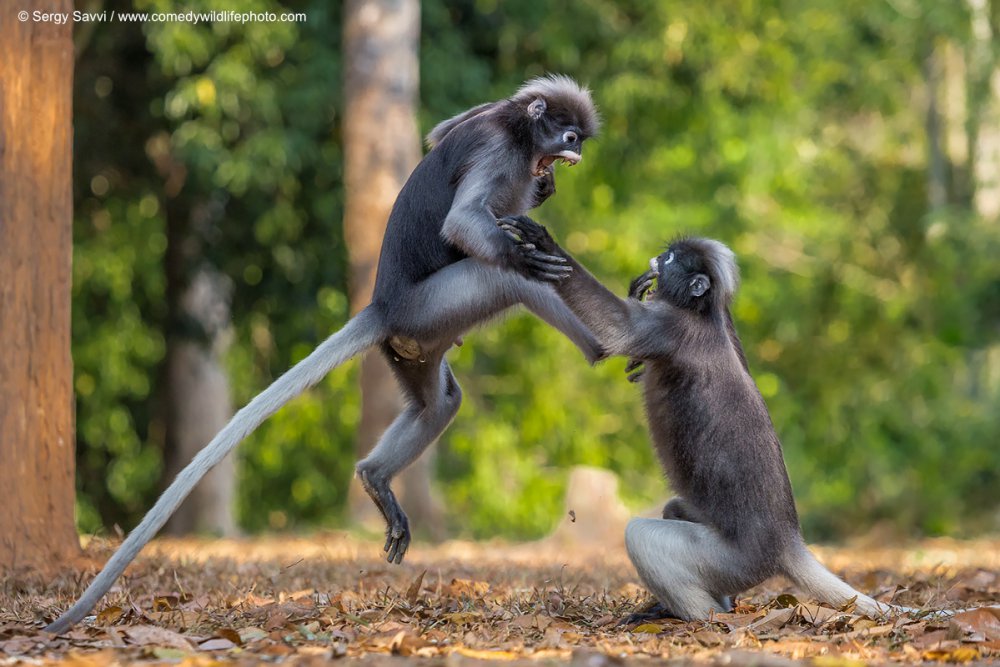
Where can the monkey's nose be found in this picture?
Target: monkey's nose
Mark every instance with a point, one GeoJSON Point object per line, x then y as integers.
{"type": "Point", "coordinates": [653, 267]}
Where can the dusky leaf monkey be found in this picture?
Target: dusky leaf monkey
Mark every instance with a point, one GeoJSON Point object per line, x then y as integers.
{"type": "Point", "coordinates": [445, 267]}
{"type": "Point", "coordinates": [733, 523]}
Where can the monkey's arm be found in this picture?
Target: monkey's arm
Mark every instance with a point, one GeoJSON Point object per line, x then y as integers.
{"type": "Point", "coordinates": [619, 324]}
{"type": "Point", "coordinates": [471, 226]}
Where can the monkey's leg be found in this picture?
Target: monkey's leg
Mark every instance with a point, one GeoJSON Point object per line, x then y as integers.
{"type": "Point", "coordinates": [685, 565]}
{"type": "Point", "coordinates": [680, 510]}
{"type": "Point", "coordinates": [433, 396]}
{"type": "Point", "coordinates": [451, 301]}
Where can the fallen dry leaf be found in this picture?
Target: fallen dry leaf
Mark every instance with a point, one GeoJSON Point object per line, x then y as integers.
{"type": "Point", "coordinates": [469, 603]}
{"type": "Point", "coordinates": [413, 591]}
{"type": "Point", "coordinates": [109, 615]}
{"type": "Point", "coordinates": [959, 654]}
{"type": "Point", "coordinates": [982, 624]}
{"type": "Point", "coordinates": [216, 644]}
{"type": "Point", "coordinates": [648, 628]}
{"type": "Point", "coordinates": [149, 635]}
{"type": "Point", "coordinates": [165, 603]}
{"type": "Point", "coordinates": [774, 620]}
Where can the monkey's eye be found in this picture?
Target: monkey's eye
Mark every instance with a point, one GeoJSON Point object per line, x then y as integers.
{"type": "Point", "coordinates": [670, 258]}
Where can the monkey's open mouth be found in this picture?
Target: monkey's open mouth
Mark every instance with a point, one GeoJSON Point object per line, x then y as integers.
{"type": "Point", "coordinates": [569, 157]}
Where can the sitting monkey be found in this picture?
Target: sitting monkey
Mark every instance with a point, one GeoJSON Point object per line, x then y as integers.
{"type": "Point", "coordinates": [733, 523]}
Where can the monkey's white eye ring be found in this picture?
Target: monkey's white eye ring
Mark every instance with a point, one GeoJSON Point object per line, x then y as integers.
{"type": "Point", "coordinates": [670, 258]}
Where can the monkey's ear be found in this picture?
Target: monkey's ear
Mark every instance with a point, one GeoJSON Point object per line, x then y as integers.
{"type": "Point", "coordinates": [536, 108]}
{"type": "Point", "coordinates": [699, 284]}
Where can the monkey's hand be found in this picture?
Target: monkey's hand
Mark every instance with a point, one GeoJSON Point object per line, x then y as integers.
{"type": "Point", "coordinates": [641, 286]}
{"type": "Point", "coordinates": [636, 366]}
{"type": "Point", "coordinates": [533, 250]}
{"type": "Point", "coordinates": [545, 186]}
{"type": "Point", "coordinates": [524, 230]}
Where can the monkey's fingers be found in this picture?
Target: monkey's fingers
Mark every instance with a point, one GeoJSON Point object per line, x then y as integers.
{"type": "Point", "coordinates": [549, 277]}
{"type": "Point", "coordinates": [545, 277]}
{"type": "Point", "coordinates": [544, 256]}
{"type": "Point", "coordinates": [641, 290]}
{"type": "Point", "coordinates": [641, 284]}
{"type": "Point", "coordinates": [528, 230]}
{"type": "Point", "coordinates": [511, 233]}
{"type": "Point", "coordinates": [636, 366]}
{"type": "Point", "coordinates": [547, 272]}
{"type": "Point", "coordinates": [398, 548]}
{"type": "Point", "coordinates": [397, 540]}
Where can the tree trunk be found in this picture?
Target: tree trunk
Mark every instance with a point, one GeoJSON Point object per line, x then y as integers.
{"type": "Point", "coordinates": [984, 112]}
{"type": "Point", "coordinates": [937, 170]}
{"type": "Point", "coordinates": [36, 234]}
{"type": "Point", "coordinates": [381, 148]}
{"type": "Point", "coordinates": [984, 155]}
{"type": "Point", "coordinates": [195, 387]}
{"type": "Point", "coordinates": [199, 404]}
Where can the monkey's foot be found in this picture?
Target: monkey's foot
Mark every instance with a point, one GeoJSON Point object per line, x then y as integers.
{"type": "Point", "coordinates": [397, 531]}
{"type": "Point", "coordinates": [397, 539]}
{"type": "Point", "coordinates": [651, 612]}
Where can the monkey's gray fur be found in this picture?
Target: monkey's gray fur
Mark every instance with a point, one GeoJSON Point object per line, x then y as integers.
{"type": "Point", "coordinates": [734, 523]}
{"type": "Point", "coordinates": [445, 267]}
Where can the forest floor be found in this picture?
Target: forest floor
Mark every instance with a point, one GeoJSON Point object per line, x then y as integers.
{"type": "Point", "coordinates": [296, 600]}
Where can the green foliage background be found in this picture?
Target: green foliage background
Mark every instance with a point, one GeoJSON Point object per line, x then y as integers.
{"type": "Point", "coordinates": [793, 131]}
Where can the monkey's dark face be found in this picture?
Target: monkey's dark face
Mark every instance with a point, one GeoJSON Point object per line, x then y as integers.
{"type": "Point", "coordinates": [558, 136]}
{"type": "Point", "coordinates": [682, 277]}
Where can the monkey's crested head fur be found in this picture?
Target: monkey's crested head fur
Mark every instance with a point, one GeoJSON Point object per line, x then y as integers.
{"type": "Point", "coordinates": [563, 97]}
{"type": "Point", "coordinates": [696, 273]}
{"type": "Point", "coordinates": [554, 96]}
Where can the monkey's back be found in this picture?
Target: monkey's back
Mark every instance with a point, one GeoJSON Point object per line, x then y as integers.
{"type": "Point", "coordinates": [718, 447]}
{"type": "Point", "coordinates": [412, 247]}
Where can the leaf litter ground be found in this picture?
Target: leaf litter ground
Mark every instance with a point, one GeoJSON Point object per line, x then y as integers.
{"type": "Point", "coordinates": [292, 600]}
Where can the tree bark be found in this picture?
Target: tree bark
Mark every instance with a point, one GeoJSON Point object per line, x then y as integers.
{"type": "Point", "coordinates": [937, 168]}
{"type": "Point", "coordinates": [984, 111]}
{"type": "Point", "coordinates": [36, 230]}
{"type": "Point", "coordinates": [199, 404]}
{"type": "Point", "coordinates": [983, 65]}
{"type": "Point", "coordinates": [194, 387]}
{"type": "Point", "coordinates": [381, 148]}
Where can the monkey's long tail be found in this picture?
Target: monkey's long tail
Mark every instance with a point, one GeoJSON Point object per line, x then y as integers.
{"type": "Point", "coordinates": [803, 568]}
{"type": "Point", "coordinates": [810, 575]}
{"type": "Point", "coordinates": [360, 333]}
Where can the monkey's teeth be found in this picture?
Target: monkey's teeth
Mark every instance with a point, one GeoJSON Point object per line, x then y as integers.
{"type": "Point", "coordinates": [569, 157]}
